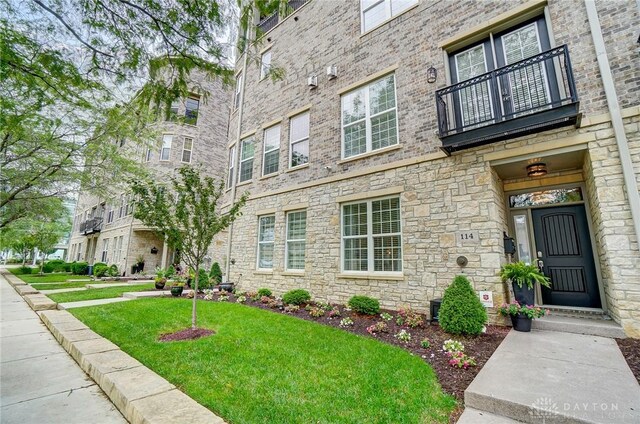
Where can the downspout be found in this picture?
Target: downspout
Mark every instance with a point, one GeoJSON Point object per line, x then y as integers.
{"type": "Point", "coordinates": [236, 159]}
{"type": "Point", "coordinates": [616, 117]}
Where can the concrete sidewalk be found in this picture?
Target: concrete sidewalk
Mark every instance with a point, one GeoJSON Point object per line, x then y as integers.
{"type": "Point", "coordinates": [41, 383]}
{"type": "Point", "coordinates": [554, 377]}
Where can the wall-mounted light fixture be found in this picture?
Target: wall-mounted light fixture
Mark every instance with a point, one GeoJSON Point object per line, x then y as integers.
{"type": "Point", "coordinates": [432, 75]}
{"type": "Point", "coordinates": [537, 169]}
{"type": "Point", "coordinates": [154, 250]}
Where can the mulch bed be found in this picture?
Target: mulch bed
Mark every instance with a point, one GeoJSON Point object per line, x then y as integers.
{"type": "Point", "coordinates": [631, 351]}
{"type": "Point", "coordinates": [188, 334]}
{"type": "Point", "coordinates": [452, 379]}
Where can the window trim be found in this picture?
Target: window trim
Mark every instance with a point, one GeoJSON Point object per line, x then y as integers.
{"type": "Point", "coordinates": [287, 240]}
{"type": "Point", "coordinates": [367, 118]}
{"type": "Point", "coordinates": [264, 74]}
{"type": "Point", "coordinates": [240, 162]}
{"type": "Point", "coordinates": [259, 243]}
{"type": "Point", "coordinates": [237, 92]}
{"type": "Point", "coordinates": [232, 164]}
{"type": "Point", "coordinates": [105, 251]}
{"type": "Point", "coordinates": [186, 109]}
{"type": "Point", "coordinates": [184, 142]}
{"type": "Point", "coordinates": [370, 246]}
{"type": "Point", "coordinates": [168, 148]}
{"type": "Point", "coordinates": [391, 16]}
{"type": "Point", "coordinates": [301, 140]}
{"type": "Point", "coordinates": [277, 148]}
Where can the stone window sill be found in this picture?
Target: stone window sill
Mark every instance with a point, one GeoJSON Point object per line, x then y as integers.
{"type": "Point", "coordinates": [371, 276]}
{"type": "Point", "coordinates": [372, 153]}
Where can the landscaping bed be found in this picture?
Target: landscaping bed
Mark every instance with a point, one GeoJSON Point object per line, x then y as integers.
{"type": "Point", "coordinates": [631, 351]}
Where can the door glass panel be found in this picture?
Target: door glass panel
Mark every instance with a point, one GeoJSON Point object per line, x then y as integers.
{"type": "Point", "coordinates": [520, 223]}
{"type": "Point", "coordinates": [546, 197]}
{"type": "Point", "coordinates": [528, 85]}
{"type": "Point", "coordinates": [475, 102]}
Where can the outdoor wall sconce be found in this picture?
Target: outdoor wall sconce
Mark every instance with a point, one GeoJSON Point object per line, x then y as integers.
{"type": "Point", "coordinates": [154, 250]}
{"type": "Point", "coordinates": [537, 169]}
{"type": "Point", "coordinates": [432, 75]}
{"type": "Point", "coordinates": [233, 261]}
{"type": "Point", "coordinates": [462, 261]}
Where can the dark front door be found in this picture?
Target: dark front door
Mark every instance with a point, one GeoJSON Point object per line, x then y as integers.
{"type": "Point", "coordinates": [564, 246]}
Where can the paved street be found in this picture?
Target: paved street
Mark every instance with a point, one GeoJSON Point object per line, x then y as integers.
{"type": "Point", "coordinates": [39, 382]}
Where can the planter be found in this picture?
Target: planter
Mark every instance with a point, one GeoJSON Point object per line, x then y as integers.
{"type": "Point", "coordinates": [521, 323]}
{"type": "Point", "coordinates": [524, 295]}
{"type": "Point", "coordinates": [177, 291]}
{"type": "Point", "coordinates": [160, 285]}
{"type": "Point", "coordinates": [228, 287]}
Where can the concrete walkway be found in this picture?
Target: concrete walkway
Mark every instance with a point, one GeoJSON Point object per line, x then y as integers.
{"type": "Point", "coordinates": [554, 377]}
{"type": "Point", "coordinates": [41, 383]}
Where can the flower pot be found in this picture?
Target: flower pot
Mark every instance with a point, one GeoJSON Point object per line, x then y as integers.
{"type": "Point", "coordinates": [521, 323]}
{"type": "Point", "coordinates": [524, 295]}
{"type": "Point", "coordinates": [160, 285]}
{"type": "Point", "coordinates": [228, 287]}
{"type": "Point", "coordinates": [177, 291]}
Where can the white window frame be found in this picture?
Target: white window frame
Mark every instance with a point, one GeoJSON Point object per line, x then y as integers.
{"type": "Point", "coordinates": [110, 214]}
{"type": "Point", "coordinates": [292, 142]}
{"type": "Point", "coordinates": [232, 166]}
{"type": "Point", "coordinates": [288, 240]}
{"type": "Point", "coordinates": [105, 251]}
{"type": "Point", "coordinates": [237, 95]}
{"type": "Point", "coordinates": [166, 146]}
{"type": "Point", "coordinates": [121, 208]}
{"type": "Point", "coordinates": [149, 155]}
{"type": "Point", "coordinates": [250, 139]}
{"type": "Point", "coordinates": [262, 243]}
{"type": "Point", "coordinates": [370, 236]}
{"type": "Point", "coordinates": [184, 149]}
{"type": "Point", "coordinates": [367, 117]}
{"type": "Point", "coordinates": [273, 149]}
{"type": "Point", "coordinates": [265, 66]}
{"type": "Point", "coordinates": [120, 239]}
{"type": "Point", "coordinates": [390, 13]}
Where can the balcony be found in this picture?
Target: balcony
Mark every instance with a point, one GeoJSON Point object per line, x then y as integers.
{"type": "Point", "coordinates": [267, 23]}
{"type": "Point", "coordinates": [92, 225]}
{"type": "Point", "coordinates": [529, 96]}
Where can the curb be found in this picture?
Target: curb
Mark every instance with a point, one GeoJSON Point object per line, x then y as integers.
{"type": "Point", "coordinates": [141, 395]}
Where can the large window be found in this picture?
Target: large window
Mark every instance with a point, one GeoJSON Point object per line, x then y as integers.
{"type": "Point", "coordinates": [191, 110]}
{"type": "Point", "coordinates": [296, 239]}
{"type": "Point", "coordinates": [271, 143]}
{"type": "Point", "coordinates": [371, 236]}
{"type": "Point", "coordinates": [236, 97]}
{"type": "Point", "coordinates": [246, 159]}
{"type": "Point", "coordinates": [119, 257]}
{"type": "Point", "coordinates": [149, 154]}
{"type": "Point", "coordinates": [299, 140]}
{"type": "Point", "coordinates": [187, 147]}
{"type": "Point", "coordinates": [369, 120]}
{"type": "Point", "coordinates": [266, 236]}
{"type": "Point", "coordinates": [265, 64]}
{"type": "Point", "coordinates": [172, 113]}
{"type": "Point", "coordinates": [105, 251]}
{"type": "Point", "coordinates": [165, 152]}
{"type": "Point", "coordinates": [232, 165]}
{"type": "Point", "coordinates": [374, 12]}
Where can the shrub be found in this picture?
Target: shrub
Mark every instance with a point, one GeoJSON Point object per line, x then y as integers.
{"type": "Point", "coordinates": [335, 312]}
{"type": "Point", "coordinates": [378, 327]}
{"type": "Point", "coordinates": [273, 303]}
{"type": "Point", "coordinates": [113, 271]}
{"type": "Point", "coordinates": [100, 270]}
{"type": "Point", "coordinates": [55, 265]}
{"type": "Point", "coordinates": [461, 311]}
{"type": "Point", "coordinates": [291, 308]}
{"type": "Point", "coordinates": [203, 280]}
{"type": "Point", "coordinates": [23, 270]}
{"type": "Point", "coordinates": [216, 273]}
{"type": "Point", "coordinates": [264, 292]}
{"type": "Point", "coordinates": [80, 268]}
{"type": "Point", "coordinates": [265, 299]}
{"type": "Point", "coordinates": [316, 312]}
{"type": "Point", "coordinates": [425, 343]}
{"type": "Point", "coordinates": [411, 318]}
{"type": "Point", "coordinates": [364, 305]}
{"type": "Point", "coordinates": [296, 297]}
{"type": "Point", "coordinates": [47, 269]}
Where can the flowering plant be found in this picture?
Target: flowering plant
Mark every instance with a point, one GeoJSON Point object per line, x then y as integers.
{"type": "Point", "coordinates": [241, 299]}
{"type": "Point", "coordinates": [346, 322]}
{"type": "Point", "coordinates": [335, 312]}
{"type": "Point", "coordinates": [529, 311]}
{"type": "Point", "coordinates": [425, 343]}
{"type": "Point", "coordinates": [291, 308]}
{"type": "Point", "coordinates": [316, 312]}
{"type": "Point", "coordinates": [403, 336]}
{"type": "Point", "coordinates": [410, 317]}
{"type": "Point", "coordinates": [452, 346]}
{"type": "Point", "coordinates": [378, 327]}
{"type": "Point", "coordinates": [386, 316]}
{"type": "Point", "coordinates": [208, 294]}
{"type": "Point", "coordinates": [461, 360]}
{"type": "Point", "coordinates": [223, 297]}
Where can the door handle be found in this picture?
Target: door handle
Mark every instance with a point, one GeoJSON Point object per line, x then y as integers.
{"type": "Point", "coordinates": [539, 261]}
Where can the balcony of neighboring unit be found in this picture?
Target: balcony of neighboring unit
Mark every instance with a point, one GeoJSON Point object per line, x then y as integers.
{"type": "Point", "coordinates": [525, 97]}
{"type": "Point", "coordinates": [92, 225]}
{"type": "Point", "coordinates": [267, 23]}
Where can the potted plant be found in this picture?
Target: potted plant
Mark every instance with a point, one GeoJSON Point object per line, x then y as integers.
{"type": "Point", "coordinates": [161, 278]}
{"type": "Point", "coordinates": [177, 286]}
{"type": "Point", "coordinates": [523, 278]}
{"type": "Point", "coordinates": [139, 263]}
{"type": "Point", "coordinates": [226, 286]}
{"type": "Point", "coordinates": [521, 315]}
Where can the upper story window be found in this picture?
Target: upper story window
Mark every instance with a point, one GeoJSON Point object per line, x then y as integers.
{"type": "Point", "coordinates": [246, 159]}
{"type": "Point", "coordinates": [369, 120]}
{"type": "Point", "coordinates": [232, 165]}
{"type": "Point", "coordinates": [236, 97]}
{"type": "Point", "coordinates": [165, 152]}
{"type": "Point", "coordinates": [266, 237]}
{"type": "Point", "coordinates": [148, 155]}
{"type": "Point", "coordinates": [271, 144]}
{"type": "Point", "coordinates": [187, 148]}
{"type": "Point", "coordinates": [299, 140]}
{"type": "Point", "coordinates": [191, 110]}
{"type": "Point", "coordinates": [172, 113]}
{"type": "Point", "coordinates": [375, 12]}
{"type": "Point", "coordinates": [265, 64]}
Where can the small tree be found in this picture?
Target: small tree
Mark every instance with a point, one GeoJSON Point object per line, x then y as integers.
{"type": "Point", "coordinates": [216, 273]}
{"type": "Point", "coordinates": [47, 235]}
{"type": "Point", "coordinates": [185, 215]}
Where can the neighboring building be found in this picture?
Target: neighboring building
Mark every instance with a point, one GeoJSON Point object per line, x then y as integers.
{"type": "Point", "coordinates": [62, 248]}
{"type": "Point", "coordinates": [407, 137]}
{"type": "Point", "coordinates": [104, 230]}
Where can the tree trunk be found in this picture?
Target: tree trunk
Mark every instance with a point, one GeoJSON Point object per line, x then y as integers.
{"type": "Point", "coordinates": [195, 296]}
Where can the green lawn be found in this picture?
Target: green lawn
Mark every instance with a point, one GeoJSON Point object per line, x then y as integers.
{"type": "Point", "coordinates": [263, 367]}
{"type": "Point", "coordinates": [48, 278]}
{"type": "Point", "coordinates": [99, 293]}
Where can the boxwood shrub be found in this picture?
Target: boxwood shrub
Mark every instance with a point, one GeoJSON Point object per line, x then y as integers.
{"type": "Point", "coordinates": [23, 270]}
{"type": "Point", "coordinates": [461, 311]}
{"type": "Point", "coordinates": [296, 297]}
{"type": "Point", "coordinates": [364, 305]}
{"type": "Point", "coordinates": [80, 268]}
{"type": "Point", "coordinates": [264, 292]}
{"type": "Point", "coordinates": [55, 265]}
{"type": "Point", "coordinates": [100, 269]}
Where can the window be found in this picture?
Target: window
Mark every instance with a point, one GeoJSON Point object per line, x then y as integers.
{"type": "Point", "coordinates": [232, 165]}
{"type": "Point", "coordinates": [369, 118]}
{"type": "Point", "coordinates": [165, 152]}
{"type": "Point", "coordinates": [191, 110]}
{"type": "Point", "coordinates": [110, 215]}
{"type": "Point", "coordinates": [79, 251]}
{"type": "Point", "coordinates": [374, 12]}
{"type": "Point", "coordinates": [105, 250]}
{"type": "Point", "coordinates": [129, 205]}
{"type": "Point", "coordinates": [187, 147]}
{"type": "Point", "coordinates": [299, 140]}
{"type": "Point", "coordinates": [371, 236]}
{"type": "Point", "coordinates": [271, 150]}
{"type": "Point", "coordinates": [236, 98]}
{"type": "Point", "coordinates": [296, 236]}
{"type": "Point", "coordinates": [119, 257]}
{"type": "Point", "coordinates": [147, 157]}
{"type": "Point", "coordinates": [114, 250]}
{"type": "Point", "coordinates": [121, 208]}
{"type": "Point", "coordinates": [246, 159]}
{"type": "Point", "coordinates": [172, 113]}
{"type": "Point", "coordinates": [266, 233]}
{"type": "Point", "coordinates": [265, 64]}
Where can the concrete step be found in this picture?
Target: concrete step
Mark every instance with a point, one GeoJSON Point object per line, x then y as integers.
{"type": "Point", "coordinates": [83, 303]}
{"type": "Point", "coordinates": [54, 291]}
{"type": "Point", "coordinates": [475, 416]}
{"type": "Point", "coordinates": [156, 293]}
{"type": "Point", "coordinates": [593, 327]}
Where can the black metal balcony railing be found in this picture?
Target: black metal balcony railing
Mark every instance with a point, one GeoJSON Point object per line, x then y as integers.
{"type": "Point", "coordinates": [528, 96]}
{"type": "Point", "coordinates": [92, 225]}
{"type": "Point", "coordinates": [267, 23]}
